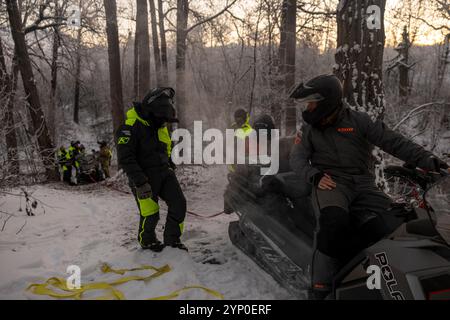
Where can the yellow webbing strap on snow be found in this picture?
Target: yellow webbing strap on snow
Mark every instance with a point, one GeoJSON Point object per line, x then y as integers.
{"type": "Point", "coordinates": [177, 293]}
{"type": "Point", "coordinates": [59, 283]}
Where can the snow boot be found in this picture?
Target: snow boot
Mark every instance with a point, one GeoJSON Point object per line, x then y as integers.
{"type": "Point", "coordinates": [178, 245]}
{"type": "Point", "coordinates": [156, 246]}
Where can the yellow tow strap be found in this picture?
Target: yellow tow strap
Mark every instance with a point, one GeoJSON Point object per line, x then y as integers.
{"type": "Point", "coordinates": [61, 284]}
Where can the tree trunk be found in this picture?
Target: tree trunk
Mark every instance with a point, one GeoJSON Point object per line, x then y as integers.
{"type": "Point", "coordinates": [115, 76]}
{"type": "Point", "coordinates": [442, 66]}
{"type": "Point", "coordinates": [6, 83]}
{"type": "Point", "coordinates": [156, 51]}
{"type": "Point", "coordinates": [46, 147]}
{"type": "Point", "coordinates": [403, 67]}
{"type": "Point", "coordinates": [54, 82]}
{"type": "Point", "coordinates": [136, 68]}
{"type": "Point", "coordinates": [182, 19]}
{"type": "Point", "coordinates": [359, 61]}
{"type": "Point", "coordinates": [76, 100]}
{"type": "Point", "coordinates": [143, 48]}
{"type": "Point", "coordinates": [162, 34]}
{"type": "Point", "coordinates": [359, 55]}
{"type": "Point", "coordinates": [288, 42]}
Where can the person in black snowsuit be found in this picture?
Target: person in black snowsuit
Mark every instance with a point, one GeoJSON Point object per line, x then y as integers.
{"type": "Point", "coordinates": [335, 157]}
{"type": "Point", "coordinates": [144, 149]}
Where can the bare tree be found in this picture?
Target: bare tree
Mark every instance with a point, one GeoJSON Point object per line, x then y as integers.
{"type": "Point", "coordinates": [7, 92]}
{"type": "Point", "coordinates": [162, 34]}
{"type": "Point", "coordinates": [115, 76]}
{"type": "Point", "coordinates": [288, 42]}
{"type": "Point", "coordinates": [359, 56]}
{"type": "Point", "coordinates": [182, 33]}
{"type": "Point", "coordinates": [76, 99]}
{"type": "Point", "coordinates": [143, 46]}
{"type": "Point", "coordinates": [180, 63]}
{"type": "Point", "coordinates": [46, 147]}
{"type": "Point", "coordinates": [156, 51]}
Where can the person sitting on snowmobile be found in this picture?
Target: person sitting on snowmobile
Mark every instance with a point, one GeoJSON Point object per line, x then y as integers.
{"type": "Point", "coordinates": [244, 176]}
{"type": "Point", "coordinates": [144, 148]}
{"type": "Point", "coordinates": [242, 129]}
{"type": "Point", "coordinates": [335, 156]}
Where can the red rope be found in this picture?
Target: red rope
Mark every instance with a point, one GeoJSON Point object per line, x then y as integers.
{"type": "Point", "coordinates": [188, 211]}
{"type": "Point", "coordinates": [202, 216]}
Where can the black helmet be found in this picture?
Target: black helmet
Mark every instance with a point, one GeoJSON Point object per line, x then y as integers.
{"type": "Point", "coordinates": [326, 90]}
{"type": "Point", "coordinates": [264, 122]}
{"type": "Point", "coordinates": [158, 103]}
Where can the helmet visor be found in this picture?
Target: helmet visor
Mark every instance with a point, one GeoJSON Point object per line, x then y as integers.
{"type": "Point", "coordinates": [314, 97]}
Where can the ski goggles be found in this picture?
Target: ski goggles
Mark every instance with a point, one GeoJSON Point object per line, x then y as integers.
{"type": "Point", "coordinates": [158, 93]}
{"type": "Point", "coordinates": [302, 93]}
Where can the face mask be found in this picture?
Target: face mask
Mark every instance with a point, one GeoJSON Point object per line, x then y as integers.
{"type": "Point", "coordinates": [322, 111]}
{"type": "Point", "coordinates": [312, 118]}
{"type": "Point", "coordinates": [158, 122]}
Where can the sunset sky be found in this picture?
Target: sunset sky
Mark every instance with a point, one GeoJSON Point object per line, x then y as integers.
{"type": "Point", "coordinates": [425, 34]}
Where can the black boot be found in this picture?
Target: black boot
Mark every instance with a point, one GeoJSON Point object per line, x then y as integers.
{"type": "Point", "coordinates": [177, 244]}
{"type": "Point", "coordinates": [156, 246]}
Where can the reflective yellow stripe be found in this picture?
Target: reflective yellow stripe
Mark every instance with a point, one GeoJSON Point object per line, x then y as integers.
{"type": "Point", "coordinates": [164, 136]}
{"type": "Point", "coordinates": [148, 207]}
{"type": "Point", "coordinates": [181, 227]}
{"type": "Point", "coordinates": [142, 231]}
{"type": "Point", "coordinates": [132, 116]}
{"type": "Point", "coordinates": [48, 287]}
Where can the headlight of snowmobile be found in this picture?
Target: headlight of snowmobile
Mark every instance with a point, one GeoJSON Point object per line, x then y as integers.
{"type": "Point", "coordinates": [438, 198]}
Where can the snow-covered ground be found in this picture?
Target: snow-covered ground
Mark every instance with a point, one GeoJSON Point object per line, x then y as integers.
{"type": "Point", "coordinates": [91, 225]}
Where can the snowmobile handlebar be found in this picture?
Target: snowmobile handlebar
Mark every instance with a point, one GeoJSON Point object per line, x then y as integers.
{"type": "Point", "coordinates": [421, 177]}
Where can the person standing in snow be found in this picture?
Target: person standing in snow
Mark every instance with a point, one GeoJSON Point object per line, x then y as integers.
{"type": "Point", "coordinates": [144, 149]}
{"type": "Point", "coordinates": [62, 163]}
{"type": "Point", "coordinates": [104, 157]}
{"type": "Point", "coordinates": [335, 157]}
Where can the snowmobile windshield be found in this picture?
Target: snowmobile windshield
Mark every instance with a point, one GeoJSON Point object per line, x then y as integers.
{"type": "Point", "coordinates": [438, 197]}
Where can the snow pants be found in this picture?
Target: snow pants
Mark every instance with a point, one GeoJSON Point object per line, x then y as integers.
{"type": "Point", "coordinates": [164, 184]}
{"type": "Point", "coordinates": [349, 219]}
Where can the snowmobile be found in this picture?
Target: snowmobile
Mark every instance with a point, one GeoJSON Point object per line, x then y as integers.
{"type": "Point", "coordinates": [90, 170]}
{"type": "Point", "coordinates": [276, 229]}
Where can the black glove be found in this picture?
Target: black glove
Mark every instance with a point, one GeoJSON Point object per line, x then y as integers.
{"type": "Point", "coordinates": [271, 183]}
{"type": "Point", "coordinates": [315, 179]}
{"type": "Point", "coordinates": [434, 164]}
{"type": "Point", "coordinates": [144, 191]}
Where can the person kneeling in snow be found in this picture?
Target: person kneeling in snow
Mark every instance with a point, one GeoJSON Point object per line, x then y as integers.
{"type": "Point", "coordinates": [144, 149]}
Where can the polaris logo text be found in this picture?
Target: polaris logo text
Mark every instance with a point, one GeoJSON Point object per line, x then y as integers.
{"type": "Point", "coordinates": [374, 280]}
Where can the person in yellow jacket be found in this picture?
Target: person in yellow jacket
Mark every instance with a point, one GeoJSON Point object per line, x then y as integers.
{"type": "Point", "coordinates": [62, 164]}
{"type": "Point", "coordinates": [242, 130]}
{"type": "Point", "coordinates": [104, 157]}
{"type": "Point", "coordinates": [144, 149]}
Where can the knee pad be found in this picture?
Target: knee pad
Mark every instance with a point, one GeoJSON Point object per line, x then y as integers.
{"type": "Point", "coordinates": [333, 235]}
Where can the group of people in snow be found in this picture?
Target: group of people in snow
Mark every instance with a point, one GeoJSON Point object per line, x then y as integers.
{"type": "Point", "coordinates": [333, 157]}
{"type": "Point", "coordinates": [75, 165]}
